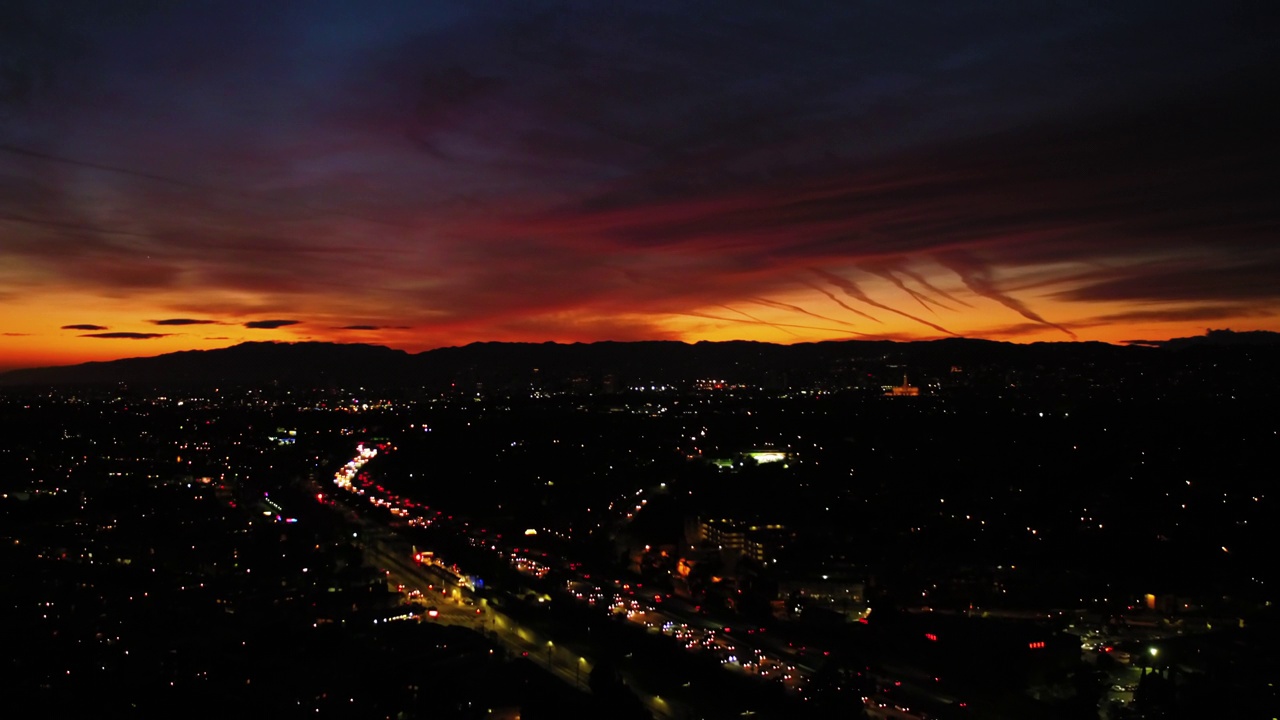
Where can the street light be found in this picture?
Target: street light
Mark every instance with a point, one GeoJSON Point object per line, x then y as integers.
{"type": "Point", "coordinates": [1154, 652]}
{"type": "Point", "coordinates": [577, 672]}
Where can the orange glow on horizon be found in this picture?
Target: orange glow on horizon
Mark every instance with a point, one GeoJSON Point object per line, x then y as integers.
{"type": "Point", "coordinates": [33, 336]}
{"type": "Point", "coordinates": [407, 177]}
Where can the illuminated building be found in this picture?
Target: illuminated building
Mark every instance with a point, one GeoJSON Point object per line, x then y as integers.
{"type": "Point", "coordinates": [906, 389]}
{"type": "Point", "coordinates": [760, 457]}
{"type": "Point", "coordinates": [758, 542]}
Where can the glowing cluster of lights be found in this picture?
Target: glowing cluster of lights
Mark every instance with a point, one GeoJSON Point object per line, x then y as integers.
{"type": "Point", "coordinates": [630, 601]}
{"type": "Point", "coordinates": [528, 565]}
{"type": "Point", "coordinates": [350, 478]}
{"type": "Point", "coordinates": [349, 472]}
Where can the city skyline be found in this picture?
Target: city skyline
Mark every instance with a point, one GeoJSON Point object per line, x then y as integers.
{"type": "Point", "coordinates": [193, 177]}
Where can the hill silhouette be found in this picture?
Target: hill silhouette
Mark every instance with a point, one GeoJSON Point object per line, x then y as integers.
{"type": "Point", "coordinates": [320, 363]}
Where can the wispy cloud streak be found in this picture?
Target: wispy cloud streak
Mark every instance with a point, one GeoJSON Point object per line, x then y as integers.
{"type": "Point", "coordinates": [975, 277]}
{"type": "Point", "coordinates": [851, 289]}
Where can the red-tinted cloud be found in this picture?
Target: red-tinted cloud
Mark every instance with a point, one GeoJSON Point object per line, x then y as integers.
{"type": "Point", "coordinates": [427, 176]}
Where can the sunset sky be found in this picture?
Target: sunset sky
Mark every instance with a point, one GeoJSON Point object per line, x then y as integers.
{"type": "Point", "coordinates": [189, 175]}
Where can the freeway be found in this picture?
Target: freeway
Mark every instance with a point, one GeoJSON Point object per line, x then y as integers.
{"type": "Point", "coordinates": [458, 606]}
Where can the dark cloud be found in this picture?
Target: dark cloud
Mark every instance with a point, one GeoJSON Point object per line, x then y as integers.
{"type": "Point", "coordinates": [270, 324]}
{"type": "Point", "coordinates": [84, 326]}
{"type": "Point", "coordinates": [183, 321]}
{"type": "Point", "coordinates": [126, 335]}
{"type": "Point", "coordinates": [27, 152]}
{"type": "Point", "coordinates": [374, 327]}
{"type": "Point", "coordinates": [584, 170]}
{"type": "Point", "coordinates": [1177, 314]}
{"type": "Point", "coordinates": [15, 334]}
{"type": "Point", "coordinates": [1210, 279]}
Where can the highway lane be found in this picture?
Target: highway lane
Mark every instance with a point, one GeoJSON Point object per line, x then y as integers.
{"type": "Point", "coordinates": [458, 606]}
{"type": "Point", "coordinates": [571, 667]}
{"type": "Point", "coordinates": [565, 663]}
